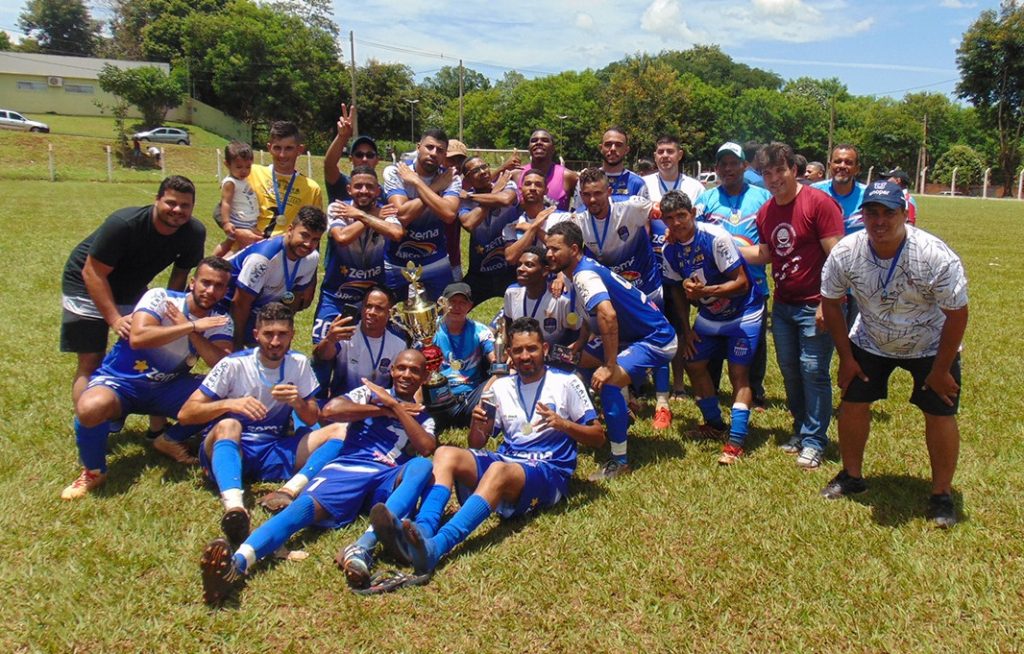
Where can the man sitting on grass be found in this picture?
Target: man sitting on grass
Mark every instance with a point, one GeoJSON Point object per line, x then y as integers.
{"type": "Point", "coordinates": [530, 470]}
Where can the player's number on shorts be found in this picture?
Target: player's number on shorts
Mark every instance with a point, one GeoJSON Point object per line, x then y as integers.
{"type": "Point", "coordinates": [316, 482]}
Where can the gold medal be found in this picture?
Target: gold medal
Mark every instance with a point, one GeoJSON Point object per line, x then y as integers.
{"type": "Point", "coordinates": [191, 360]}
{"type": "Point", "coordinates": [455, 364]}
{"type": "Point", "coordinates": [735, 218]}
{"type": "Point", "coordinates": [572, 320]}
{"type": "Point", "coordinates": [527, 428]}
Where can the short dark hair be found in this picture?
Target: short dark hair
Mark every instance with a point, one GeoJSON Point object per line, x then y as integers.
{"type": "Point", "coordinates": [569, 231]}
{"type": "Point", "coordinates": [177, 183]}
{"type": "Point", "coordinates": [312, 218]}
{"type": "Point", "coordinates": [237, 150]}
{"type": "Point", "coordinates": [801, 165]}
{"type": "Point", "coordinates": [525, 325]}
{"type": "Point", "coordinates": [667, 138]}
{"type": "Point", "coordinates": [616, 128]}
{"type": "Point", "coordinates": [465, 163]}
{"type": "Point", "coordinates": [215, 263]}
{"type": "Point", "coordinates": [436, 134]}
{"type": "Point", "coordinates": [363, 170]}
{"type": "Point", "coordinates": [845, 146]}
{"type": "Point", "coordinates": [674, 201]}
{"type": "Point", "coordinates": [377, 288]}
{"type": "Point", "coordinates": [591, 175]}
{"type": "Point", "coordinates": [282, 129]}
{"type": "Point", "coordinates": [540, 251]}
{"type": "Point", "coordinates": [532, 171]}
{"type": "Point", "coordinates": [274, 312]}
{"type": "Point", "coordinates": [776, 154]}
{"type": "Point", "coordinates": [750, 150]}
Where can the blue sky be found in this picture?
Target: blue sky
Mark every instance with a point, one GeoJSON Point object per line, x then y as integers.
{"type": "Point", "coordinates": [874, 47]}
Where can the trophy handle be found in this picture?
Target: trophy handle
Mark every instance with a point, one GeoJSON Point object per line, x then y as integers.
{"type": "Point", "coordinates": [396, 317]}
{"type": "Point", "coordinates": [442, 306]}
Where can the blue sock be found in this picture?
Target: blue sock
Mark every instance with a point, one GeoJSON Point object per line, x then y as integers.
{"type": "Point", "coordinates": [711, 411]}
{"type": "Point", "coordinates": [275, 532]}
{"type": "Point", "coordinates": [740, 418]}
{"type": "Point", "coordinates": [616, 420]}
{"type": "Point", "coordinates": [321, 456]}
{"type": "Point", "coordinates": [470, 516]}
{"type": "Point", "coordinates": [432, 508]}
{"type": "Point", "coordinates": [180, 433]}
{"type": "Point", "coordinates": [661, 383]}
{"type": "Point", "coordinates": [92, 445]}
{"type": "Point", "coordinates": [227, 465]}
{"type": "Point", "coordinates": [415, 477]}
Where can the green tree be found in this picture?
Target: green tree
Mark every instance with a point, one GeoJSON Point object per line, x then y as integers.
{"type": "Point", "coordinates": [154, 30]}
{"type": "Point", "coordinates": [5, 41]}
{"type": "Point", "coordinates": [146, 87]}
{"type": "Point", "coordinates": [710, 64]}
{"type": "Point", "coordinates": [60, 26]}
{"type": "Point", "coordinates": [968, 165]}
{"type": "Point", "coordinates": [765, 115]}
{"type": "Point", "coordinates": [384, 91]}
{"type": "Point", "coordinates": [446, 82]}
{"type": "Point", "coordinates": [991, 63]}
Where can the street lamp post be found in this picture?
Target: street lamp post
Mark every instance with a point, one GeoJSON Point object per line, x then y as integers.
{"type": "Point", "coordinates": [561, 127]}
{"type": "Point", "coordinates": [412, 119]}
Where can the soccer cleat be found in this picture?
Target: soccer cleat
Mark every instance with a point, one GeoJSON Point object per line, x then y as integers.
{"type": "Point", "coordinates": [235, 525]}
{"type": "Point", "coordinates": [174, 450]}
{"type": "Point", "coordinates": [611, 470]}
{"type": "Point", "coordinates": [87, 482]}
{"type": "Point", "coordinates": [662, 418]}
{"type": "Point", "coordinates": [941, 510]}
{"type": "Point", "coordinates": [276, 501]}
{"type": "Point", "coordinates": [760, 404]}
{"type": "Point", "coordinates": [424, 560]}
{"type": "Point", "coordinates": [792, 446]}
{"type": "Point", "coordinates": [809, 459]}
{"type": "Point", "coordinates": [391, 580]}
{"type": "Point", "coordinates": [707, 431]}
{"type": "Point", "coordinates": [842, 485]}
{"type": "Point", "coordinates": [388, 529]}
{"type": "Point", "coordinates": [356, 562]}
{"type": "Point", "coordinates": [219, 571]}
{"type": "Point", "coordinates": [731, 453]}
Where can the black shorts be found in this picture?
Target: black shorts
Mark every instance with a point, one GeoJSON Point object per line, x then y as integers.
{"type": "Point", "coordinates": [82, 335]}
{"type": "Point", "coordinates": [878, 369]}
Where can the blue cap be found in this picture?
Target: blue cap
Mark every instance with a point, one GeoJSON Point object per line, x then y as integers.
{"type": "Point", "coordinates": [885, 193]}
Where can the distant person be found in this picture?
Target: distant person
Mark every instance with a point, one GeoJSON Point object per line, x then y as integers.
{"type": "Point", "coordinates": [844, 164]}
{"type": "Point", "coordinates": [900, 177]}
{"type": "Point", "coordinates": [912, 293]}
{"type": "Point", "coordinates": [622, 183]}
{"type": "Point", "coordinates": [645, 166]}
{"type": "Point", "coordinates": [280, 188]}
{"type": "Point", "coordinates": [752, 175]}
{"type": "Point", "coordinates": [801, 170]}
{"type": "Point", "coordinates": [238, 209]}
{"type": "Point", "coordinates": [668, 155]}
{"type": "Point", "coordinates": [815, 171]}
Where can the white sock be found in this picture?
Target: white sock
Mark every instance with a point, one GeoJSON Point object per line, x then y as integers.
{"type": "Point", "coordinates": [296, 484]}
{"type": "Point", "coordinates": [232, 499]}
{"type": "Point", "coordinates": [661, 399]}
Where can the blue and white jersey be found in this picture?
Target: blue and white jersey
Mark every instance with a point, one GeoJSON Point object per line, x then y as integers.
{"type": "Point", "coordinates": [380, 439]}
{"type": "Point", "coordinates": [488, 239]}
{"type": "Point", "coordinates": [424, 242]}
{"type": "Point", "coordinates": [362, 356]}
{"type": "Point", "coordinates": [707, 257]}
{"type": "Point", "coordinates": [264, 270]}
{"type": "Point", "coordinates": [551, 312]}
{"type": "Point", "coordinates": [555, 218]}
{"type": "Point", "coordinates": [639, 319]}
{"type": "Point", "coordinates": [622, 243]}
{"type": "Point", "coordinates": [736, 214]}
{"type": "Point", "coordinates": [561, 391]}
{"type": "Point", "coordinates": [242, 375]}
{"type": "Point", "coordinates": [350, 270]}
{"type": "Point", "coordinates": [849, 203]}
{"type": "Point", "coordinates": [625, 185]}
{"type": "Point", "coordinates": [465, 361]}
{"type": "Point", "coordinates": [164, 363]}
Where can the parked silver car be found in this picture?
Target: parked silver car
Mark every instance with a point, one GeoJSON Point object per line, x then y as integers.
{"type": "Point", "coordinates": [13, 120]}
{"type": "Point", "coordinates": [164, 135]}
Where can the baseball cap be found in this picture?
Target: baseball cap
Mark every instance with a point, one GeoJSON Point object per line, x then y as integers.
{"type": "Point", "coordinates": [458, 288]}
{"type": "Point", "coordinates": [730, 148]}
{"type": "Point", "coordinates": [898, 174]}
{"type": "Point", "coordinates": [457, 148]}
{"type": "Point", "coordinates": [885, 193]}
{"type": "Point", "coordinates": [363, 139]}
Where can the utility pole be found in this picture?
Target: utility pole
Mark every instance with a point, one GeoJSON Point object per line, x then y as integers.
{"type": "Point", "coordinates": [922, 155]}
{"type": "Point", "coordinates": [461, 88]}
{"type": "Point", "coordinates": [831, 132]}
{"type": "Point", "coordinates": [355, 116]}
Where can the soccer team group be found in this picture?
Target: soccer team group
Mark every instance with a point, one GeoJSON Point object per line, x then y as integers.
{"type": "Point", "coordinates": [598, 270]}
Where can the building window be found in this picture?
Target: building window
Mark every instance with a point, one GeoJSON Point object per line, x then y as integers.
{"type": "Point", "coordinates": [31, 86]}
{"type": "Point", "coordinates": [78, 88]}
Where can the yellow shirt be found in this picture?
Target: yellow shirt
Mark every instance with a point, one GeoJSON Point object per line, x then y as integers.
{"type": "Point", "coordinates": [304, 192]}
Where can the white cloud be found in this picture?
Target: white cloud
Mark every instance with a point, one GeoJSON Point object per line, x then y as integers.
{"type": "Point", "coordinates": [958, 4]}
{"type": "Point", "coordinates": [584, 21]}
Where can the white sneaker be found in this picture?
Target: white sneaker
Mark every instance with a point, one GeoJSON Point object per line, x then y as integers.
{"type": "Point", "coordinates": [792, 446]}
{"type": "Point", "coordinates": [809, 459]}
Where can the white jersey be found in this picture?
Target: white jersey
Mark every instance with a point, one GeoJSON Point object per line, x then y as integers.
{"type": "Point", "coordinates": [242, 375]}
{"type": "Point", "coordinates": [245, 207]}
{"type": "Point", "coordinates": [622, 241]}
{"type": "Point", "coordinates": [362, 356]}
{"type": "Point", "coordinates": [264, 270]}
{"type": "Point", "coordinates": [551, 312]}
{"type": "Point", "coordinates": [901, 318]}
{"type": "Point", "coordinates": [658, 187]}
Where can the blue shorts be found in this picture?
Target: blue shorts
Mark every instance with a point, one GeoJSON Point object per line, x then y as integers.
{"type": "Point", "coordinates": [266, 459]}
{"type": "Point", "coordinates": [146, 397]}
{"type": "Point", "coordinates": [636, 358]}
{"type": "Point", "coordinates": [545, 484]}
{"type": "Point", "coordinates": [436, 276]}
{"type": "Point", "coordinates": [346, 488]}
{"type": "Point", "coordinates": [735, 340]}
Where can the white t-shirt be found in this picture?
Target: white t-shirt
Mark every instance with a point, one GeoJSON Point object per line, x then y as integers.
{"type": "Point", "coordinates": [363, 356]}
{"type": "Point", "coordinates": [245, 208]}
{"type": "Point", "coordinates": [549, 311]}
{"type": "Point", "coordinates": [657, 187]}
{"type": "Point", "coordinates": [903, 318]}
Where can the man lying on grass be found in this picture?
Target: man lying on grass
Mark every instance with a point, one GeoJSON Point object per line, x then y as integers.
{"type": "Point", "coordinates": [530, 470]}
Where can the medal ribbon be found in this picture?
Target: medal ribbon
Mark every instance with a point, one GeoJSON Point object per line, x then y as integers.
{"type": "Point", "coordinates": [533, 314]}
{"type": "Point", "coordinates": [277, 195]}
{"type": "Point", "coordinates": [600, 239]}
{"type": "Point", "coordinates": [529, 409]}
{"type": "Point", "coordinates": [739, 200]}
{"type": "Point", "coordinates": [380, 352]}
{"type": "Point", "coordinates": [664, 187]}
{"type": "Point", "coordinates": [263, 375]}
{"type": "Point", "coordinates": [892, 266]}
{"type": "Point", "coordinates": [289, 276]}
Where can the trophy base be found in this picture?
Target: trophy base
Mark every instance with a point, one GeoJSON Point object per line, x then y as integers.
{"type": "Point", "coordinates": [499, 369]}
{"type": "Point", "coordinates": [437, 393]}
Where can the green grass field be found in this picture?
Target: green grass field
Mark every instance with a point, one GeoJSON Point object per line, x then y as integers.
{"type": "Point", "coordinates": [680, 556]}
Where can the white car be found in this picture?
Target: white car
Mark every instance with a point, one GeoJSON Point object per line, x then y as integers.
{"type": "Point", "coordinates": [163, 135]}
{"type": "Point", "coordinates": [14, 120]}
{"type": "Point", "coordinates": [708, 178]}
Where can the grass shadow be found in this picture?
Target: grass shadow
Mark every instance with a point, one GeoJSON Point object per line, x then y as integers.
{"type": "Point", "coordinates": [897, 499]}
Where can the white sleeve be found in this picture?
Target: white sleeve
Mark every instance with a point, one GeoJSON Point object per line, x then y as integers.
{"type": "Point", "coordinates": [309, 265]}
{"type": "Point", "coordinates": [306, 383]}
{"type": "Point", "coordinates": [950, 284]}
{"type": "Point", "coordinates": [359, 395]}
{"type": "Point", "coordinates": [218, 381]}
{"type": "Point", "coordinates": [227, 330]}
{"type": "Point", "coordinates": [254, 272]}
{"type": "Point", "coordinates": [577, 399]}
{"type": "Point", "coordinates": [591, 289]}
{"type": "Point", "coordinates": [834, 281]}
{"type": "Point", "coordinates": [391, 183]}
{"type": "Point", "coordinates": [154, 301]}
{"type": "Point", "coordinates": [726, 253]}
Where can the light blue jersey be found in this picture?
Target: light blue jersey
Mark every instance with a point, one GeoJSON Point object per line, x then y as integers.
{"type": "Point", "coordinates": [465, 356]}
{"type": "Point", "coordinates": [849, 203]}
{"type": "Point", "coordinates": [736, 214]}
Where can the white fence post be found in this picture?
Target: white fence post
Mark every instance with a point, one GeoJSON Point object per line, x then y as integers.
{"type": "Point", "coordinates": [1020, 185]}
{"type": "Point", "coordinates": [952, 182]}
{"type": "Point", "coordinates": [309, 165]}
{"type": "Point", "coordinates": [984, 186]}
{"type": "Point", "coordinates": [216, 153]}
{"type": "Point", "coordinates": [261, 157]}
{"type": "Point", "coordinates": [163, 162]}
{"type": "Point", "coordinates": [53, 163]}
{"type": "Point", "coordinates": [924, 172]}
{"type": "Point", "coordinates": [110, 166]}
{"type": "Point", "coordinates": [871, 173]}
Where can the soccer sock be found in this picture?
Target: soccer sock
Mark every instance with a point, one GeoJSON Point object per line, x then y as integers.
{"type": "Point", "coordinates": [711, 411]}
{"type": "Point", "coordinates": [415, 476]}
{"type": "Point", "coordinates": [320, 457]}
{"type": "Point", "coordinates": [616, 419]}
{"type": "Point", "coordinates": [661, 385]}
{"type": "Point", "coordinates": [227, 470]}
{"type": "Point", "coordinates": [275, 532]}
{"type": "Point", "coordinates": [740, 418]}
{"type": "Point", "coordinates": [92, 445]}
{"type": "Point", "coordinates": [470, 516]}
{"type": "Point", "coordinates": [432, 508]}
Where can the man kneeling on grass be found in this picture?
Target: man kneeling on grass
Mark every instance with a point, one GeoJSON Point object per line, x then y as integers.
{"type": "Point", "coordinates": [530, 470]}
{"type": "Point", "coordinates": [376, 460]}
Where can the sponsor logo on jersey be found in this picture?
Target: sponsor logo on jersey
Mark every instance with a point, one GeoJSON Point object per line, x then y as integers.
{"type": "Point", "coordinates": [495, 260]}
{"type": "Point", "coordinates": [415, 250]}
{"type": "Point", "coordinates": [783, 239]}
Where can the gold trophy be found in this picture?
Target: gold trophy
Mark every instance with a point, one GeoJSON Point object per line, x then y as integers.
{"type": "Point", "coordinates": [500, 365]}
{"type": "Point", "coordinates": [418, 316]}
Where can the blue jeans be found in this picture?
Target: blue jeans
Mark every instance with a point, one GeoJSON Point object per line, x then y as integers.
{"type": "Point", "coordinates": [804, 355]}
